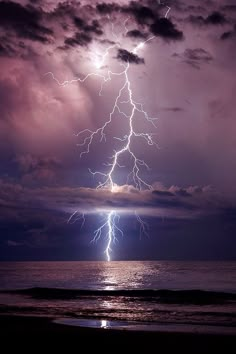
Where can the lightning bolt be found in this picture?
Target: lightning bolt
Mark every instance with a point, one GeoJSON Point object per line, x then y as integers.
{"type": "Point", "coordinates": [168, 8]}
{"type": "Point", "coordinates": [109, 226]}
{"type": "Point", "coordinates": [76, 216]}
{"type": "Point", "coordinates": [143, 226]}
{"type": "Point", "coordinates": [127, 139]}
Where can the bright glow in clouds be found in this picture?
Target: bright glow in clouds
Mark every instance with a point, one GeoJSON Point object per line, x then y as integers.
{"type": "Point", "coordinates": [99, 59]}
{"type": "Point", "coordinates": [109, 227]}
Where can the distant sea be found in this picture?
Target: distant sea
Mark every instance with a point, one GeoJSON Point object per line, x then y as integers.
{"type": "Point", "coordinates": [186, 294]}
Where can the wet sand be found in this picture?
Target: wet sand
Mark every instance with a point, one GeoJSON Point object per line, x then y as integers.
{"type": "Point", "coordinates": [34, 333]}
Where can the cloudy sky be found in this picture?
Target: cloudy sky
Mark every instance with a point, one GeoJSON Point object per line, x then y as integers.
{"type": "Point", "coordinates": [63, 65]}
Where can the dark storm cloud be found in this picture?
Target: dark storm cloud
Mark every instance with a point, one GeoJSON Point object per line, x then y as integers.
{"type": "Point", "coordinates": [197, 54]}
{"type": "Point", "coordinates": [65, 10]}
{"type": "Point", "coordinates": [142, 14]}
{"type": "Point", "coordinates": [172, 202]}
{"type": "Point", "coordinates": [128, 57]}
{"type": "Point", "coordinates": [136, 34]}
{"type": "Point", "coordinates": [94, 27]}
{"type": "Point", "coordinates": [183, 193]}
{"type": "Point", "coordinates": [71, 24]}
{"type": "Point", "coordinates": [28, 23]}
{"type": "Point", "coordinates": [88, 30]}
{"type": "Point", "coordinates": [215, 18]}
{"type": "Point", "coordinates": [195, 57]}
{"type": "Point", "coordinates": [106, 9]}
{"type": "Point", "coordinates": [165, 29]}
{"type": "Point", "coordinates": [16, 48]}
{"type": "Point", "coordinates": [24, 21]}
{"type": "Point", "coordinates": [79, 39]}
{"type": "Point", "coordinates": [229, 34]}
{"type": "Point", "coordinates": [145, 16]}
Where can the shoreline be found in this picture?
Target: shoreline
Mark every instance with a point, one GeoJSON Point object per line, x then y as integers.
{"type": "Point", "coordinates": [25, 330]}
{"type": "Point", "coordinates": [140, 326]}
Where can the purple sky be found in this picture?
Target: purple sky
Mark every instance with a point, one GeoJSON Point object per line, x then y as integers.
{"type": "Point", "coordinates": [185, 77]}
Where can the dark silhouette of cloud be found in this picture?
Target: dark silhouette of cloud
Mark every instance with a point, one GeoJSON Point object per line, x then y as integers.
{"type": "Point", "coordinates": [142, 14]}
{"type": "Point", "coordinates": [75, 24]}
{"type": "Point", "coordinates": [145, 16]}
{"type": "Point", "coordinates": [81, 39]}
{"type": "Point", "coordinates": [24, 21]}
{"type": "Point", "coordinates": [94, 27]}
{"type": "Point", "coordinates": [197, 54]}
{"type": "Point", "coordinates": [107, 9]}
{"type": "Point", "coordinates": [173, 202]}
{"type": "Point", "coordinates": [136, 34]}
{"type": "Point", "coordinates": [195, 57]}
{"type": "Point", "coordinates": [128, 57]}
{"type": "Point", "coordinates": [165, 29]}
{"type": "Point", "coordinates": [215, 18]}
{"type": "Point", "coordinates": [229, 34]}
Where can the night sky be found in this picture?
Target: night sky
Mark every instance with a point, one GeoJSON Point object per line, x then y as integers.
{"type": "Point", "coordinates": [184, 76]}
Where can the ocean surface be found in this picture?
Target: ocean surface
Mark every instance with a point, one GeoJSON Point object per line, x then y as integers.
{"type": "Point", "coordinates": [186, 294]}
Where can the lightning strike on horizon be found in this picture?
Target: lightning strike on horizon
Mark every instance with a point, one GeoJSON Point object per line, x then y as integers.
{"type": "Point", "coordinates": [110, 223]}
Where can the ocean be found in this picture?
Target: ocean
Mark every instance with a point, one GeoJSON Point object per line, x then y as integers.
{"type": "Point", "coordinates": [190, 295]}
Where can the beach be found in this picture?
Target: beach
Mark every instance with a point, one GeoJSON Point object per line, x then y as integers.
{"type": "Point", "coordinates": [161, 307]}
{"type": "Point", "coordinates": [28, 332]}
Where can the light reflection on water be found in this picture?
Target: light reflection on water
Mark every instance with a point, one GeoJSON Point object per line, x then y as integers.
{"type": "Point", "coordinates": [216, 276]}
{"type": "Point", "coordinates": [104, 324]}
{"type": "Point", "coordinates": [119, 275]}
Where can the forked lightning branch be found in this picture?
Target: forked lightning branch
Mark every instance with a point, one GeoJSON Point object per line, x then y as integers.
{"type": "Point", "coordinates": [109, 227]}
